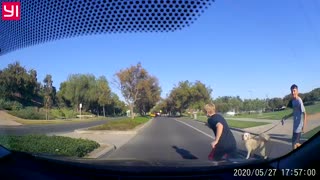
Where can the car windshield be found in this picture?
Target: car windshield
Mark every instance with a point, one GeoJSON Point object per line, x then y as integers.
{"type": "Point", "coordinates": [192, 81]}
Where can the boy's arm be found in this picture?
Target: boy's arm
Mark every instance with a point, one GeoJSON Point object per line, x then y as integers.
{"type": "Point", "coordinates": [303, 110]}
{"type": "Point", "coordinates": [304, 121]}
{"type": "Point", "coordinates": [218, 135]}
{"type": "Point", "coordinates": [286, 117]}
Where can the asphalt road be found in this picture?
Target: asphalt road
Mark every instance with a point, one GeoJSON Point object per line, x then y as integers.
{"type": "Point", "coordinates": [173, 139]}
{"type": "Point", "coordinates": [47, 129]}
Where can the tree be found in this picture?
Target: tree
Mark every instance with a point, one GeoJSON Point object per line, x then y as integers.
{"type": "Point", "coordinates": [62, 101]}
{"type": "Point", "coordinates": [287, 100]}
{"type": "Point", "coordinates": [130, 81]}
{"type": "Point", "coordinates": [200, 95]}
{"type": "Point", "coordinates": [275, 103]}
{"type": "Point", "coordinates": [180, 96]}
{"type": "Point", "coordinates": [16, 83]}
{"type": "Point", "coordinates": [103, 93]}
{"type": "Point", "coordinates": [236, 103]}
{"type": "Point", "coordinates": [315, 94]}
{"type": "Point", "coordinates": [115, 106]}
{"type": "Point", "coordinates": [247, 105]}
{"type": "Point", "coordinates": [48, 93]}
{"type": "Point", "coordinates": [189, 95]}
{"type": "Point", "coordinates": [80, 88]}
{"type": "Point", "coordinates": [160, 106]}
{"type": "Point", "coordinates": [149, 96]}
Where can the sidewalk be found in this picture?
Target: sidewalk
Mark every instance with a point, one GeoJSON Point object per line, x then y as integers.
{"type": "Point", "coordinates": [278, 131]}
{"type": "Point", "coordinates": [8, 120]}
{"type": "Point", "coordinates": [108, 140]}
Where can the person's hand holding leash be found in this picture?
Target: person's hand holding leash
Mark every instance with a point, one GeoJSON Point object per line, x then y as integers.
{"type": "Point", "coordinates": [283, 119]}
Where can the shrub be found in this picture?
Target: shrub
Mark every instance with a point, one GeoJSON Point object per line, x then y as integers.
{"type": "Point", "coordinates": [56, 145]}
{"type": "Point", "coordinates": [10, 105]}
{"type": "Point", "coordinates": [29, 113]}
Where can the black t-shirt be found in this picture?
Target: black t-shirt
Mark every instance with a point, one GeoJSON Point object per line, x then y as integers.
{"type": "Point", "coordinates": [227, 139]}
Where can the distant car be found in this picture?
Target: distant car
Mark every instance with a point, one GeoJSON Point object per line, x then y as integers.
{"type": "Point", "coordinates": [158, 114]}
{"type": "Point", "coordinates": [152, 114]}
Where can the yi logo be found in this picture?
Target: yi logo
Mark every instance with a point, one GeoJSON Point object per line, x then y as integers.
{"type": "Point", "coordinates": [11, 11]}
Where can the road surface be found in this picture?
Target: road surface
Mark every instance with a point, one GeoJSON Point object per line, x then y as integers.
{"type": "Point", "coordinates": [174, 139]}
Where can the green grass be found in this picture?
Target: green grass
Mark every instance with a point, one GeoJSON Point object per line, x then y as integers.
{"type": "Point", "coordinates": [277, 115]}
{"type": "Point", "coordinates": [122, 124]}
{"type": "Point", "coordinates": [66, 121]}
{"type": "Point", "coordinates": [280, 114]}
{"type": "Point", "coordinates": [310, 133]}
{"type": "Point", "coordinates": [244, 124]}
{"type": "Point", "coordinates": [54, 145]}
{"type": "Point", "coordinates": [237, 124]}
{"type": "Point", "coordinates": [313, 109]}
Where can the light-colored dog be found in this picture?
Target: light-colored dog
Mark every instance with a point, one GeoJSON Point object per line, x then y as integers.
{"type": "Point", "coordinates": [255, 144]}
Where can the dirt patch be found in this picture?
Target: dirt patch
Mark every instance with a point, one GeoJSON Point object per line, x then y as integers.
{"type": "Point", "coordinates": [313, 117]}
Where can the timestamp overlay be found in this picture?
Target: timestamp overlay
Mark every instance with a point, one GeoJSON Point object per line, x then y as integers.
{"type": "Point", "coordinates": [262, 172]}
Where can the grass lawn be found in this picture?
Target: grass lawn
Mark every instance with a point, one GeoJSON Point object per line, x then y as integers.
{"type": "Point", "coordinates": [309, 134]}
{"type": "Point", "coordinates": [280, 114]}
{"type": "Point", "coordinates": [237, 124]}
{"type": "Point", "coordinates": [122, 124]}
{"type": "Point", "coordinates": [8, 116]}
{"type": "Point", "coordinates": [65, 121]}
{"type": "Point", "coordinates": [269, 115]}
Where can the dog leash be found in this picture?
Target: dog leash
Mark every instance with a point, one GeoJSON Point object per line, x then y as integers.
{"type": "Point", "coordinates": [281, 121]}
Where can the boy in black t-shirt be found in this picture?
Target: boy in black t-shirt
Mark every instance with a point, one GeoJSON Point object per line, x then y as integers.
{"type": "Point", "coordinates": [224, 144]}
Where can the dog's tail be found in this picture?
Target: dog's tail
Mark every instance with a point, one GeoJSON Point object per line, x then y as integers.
{"type": "Point", "coordinates": [264, 137]}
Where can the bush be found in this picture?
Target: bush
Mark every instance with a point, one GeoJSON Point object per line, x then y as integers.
{"type": "Point", "coordinates": [10, 105]}
{"type": "Point", "coordinates": [68, 113]}
{"type": "Point", "coordinates": [62, 113]}
{"type": "Point", "coordinates": [5, 104]}
{"type": "Point", "coordinates": [309, 103]}
{"type": "Point", "coordinates": [56, 145]}
{"type": "Point", "coordinates": [57, 113]}
{"type": "Point", "coordinates": [29, 113]}
{"type": "Point", "coordinates": [15, 105]}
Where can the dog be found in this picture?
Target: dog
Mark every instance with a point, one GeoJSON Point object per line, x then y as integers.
{"type": "Point", "coordinates": [255, 144]}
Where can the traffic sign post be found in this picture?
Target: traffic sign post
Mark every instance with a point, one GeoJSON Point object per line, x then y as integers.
{"type": "Point", "coordinates": [80, 105]}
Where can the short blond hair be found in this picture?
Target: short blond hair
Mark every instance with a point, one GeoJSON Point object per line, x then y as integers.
{"type": "Point", "coordinates": [210, 108]}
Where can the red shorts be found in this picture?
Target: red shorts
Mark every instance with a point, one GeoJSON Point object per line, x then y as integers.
{"type": "Point", "coordinates": [216, 156]}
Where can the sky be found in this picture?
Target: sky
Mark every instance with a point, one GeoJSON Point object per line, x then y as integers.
{"type": "Point", "coordinates": [246, 48]}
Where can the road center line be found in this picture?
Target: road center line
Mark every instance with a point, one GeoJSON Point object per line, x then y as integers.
{"type": "Point", "coordinates": [195, 129]}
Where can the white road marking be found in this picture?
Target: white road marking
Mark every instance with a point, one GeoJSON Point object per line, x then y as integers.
{"type": "Point", "coordinates": [275, 140]}
{"type": "Point", "coordinates": [195, 129]}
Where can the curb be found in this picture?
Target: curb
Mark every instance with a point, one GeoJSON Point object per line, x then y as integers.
{"type": "Point", "coordinates": [110, 147]}
{"type": "Point", "coordinates": [139, 128]}
{"type": "Point", "coordinates": [86, 131]}
{"type": "Point", "coordinates": [104, 151]}
{"type": "Point", "coordinates": [134, 131]}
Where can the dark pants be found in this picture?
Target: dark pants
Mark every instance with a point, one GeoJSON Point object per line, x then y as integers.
{"type": "Point", "coordinates": [295, 139]}
{"type": "Point", "coordinates": [217, 154]}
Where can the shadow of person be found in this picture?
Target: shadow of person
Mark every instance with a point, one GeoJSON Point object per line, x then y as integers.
{"type": "Point", "coordinates": [184, 153]}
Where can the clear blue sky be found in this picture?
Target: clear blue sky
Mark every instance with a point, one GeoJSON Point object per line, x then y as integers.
{"type": "Point", "coordinates": [248, 48]}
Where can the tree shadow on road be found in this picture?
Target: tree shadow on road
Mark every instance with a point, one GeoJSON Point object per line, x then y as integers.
{"type": "Point", "coordinates": [185, 154]}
